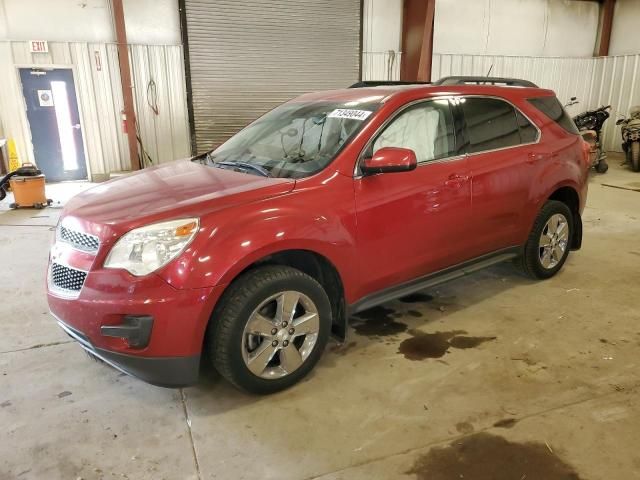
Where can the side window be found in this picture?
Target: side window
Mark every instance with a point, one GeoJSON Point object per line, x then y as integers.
{"type": "Point", "coordinates": [426, 128]}
{"type": "Point", "coordinates": [552, 108]}
{"type": "Point", "coordinates": [528, 133]}
{"type": "Point", "coordinates": [491, 124]}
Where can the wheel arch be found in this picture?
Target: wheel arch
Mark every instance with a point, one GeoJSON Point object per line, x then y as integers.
{"type": "Point", "coordinates": [569, 196]}
{"type": "Point", "coordinates": [314, 264]}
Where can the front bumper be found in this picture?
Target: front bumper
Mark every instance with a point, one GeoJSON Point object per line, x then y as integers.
{"type": "Point", "coordinates": [166, 352]}
{"type": "Point", "coordinates": [169, 372]}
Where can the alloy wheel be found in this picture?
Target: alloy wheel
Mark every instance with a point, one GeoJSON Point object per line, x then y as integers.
{"type": "Point", "coordinates": [280, 334]}
{"type": "Point", "coordinates": [554, 240]}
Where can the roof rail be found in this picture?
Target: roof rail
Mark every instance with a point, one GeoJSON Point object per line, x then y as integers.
{"type": "Point", "coordinates": [377, 83]}
{"type": "Point", "coordinates": [465, 80]}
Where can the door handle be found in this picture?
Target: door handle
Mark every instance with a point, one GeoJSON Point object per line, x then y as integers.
{"type": "Point", "coordinates": [456, 181]}
{"type": "Point", "coordinates": [76, 126]}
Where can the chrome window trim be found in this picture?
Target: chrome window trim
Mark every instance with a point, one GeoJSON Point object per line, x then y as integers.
{"type": "Point", "coordinates": [392, 117]}
{"type": "Point", "coordinates": [455, 99]}
{"type": "Point", "coordinates": [539, 132]}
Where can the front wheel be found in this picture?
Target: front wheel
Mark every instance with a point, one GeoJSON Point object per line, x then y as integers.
{"type": "Point", "coordinates": [270, 329]}
{"type": "Point", "coordinates": [549, 242]}
{"type": "Point", "coordinates": [635, 156]}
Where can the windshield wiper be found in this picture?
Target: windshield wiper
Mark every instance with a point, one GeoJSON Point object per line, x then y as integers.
{"type": "Point", "coordinates": [242, 165]}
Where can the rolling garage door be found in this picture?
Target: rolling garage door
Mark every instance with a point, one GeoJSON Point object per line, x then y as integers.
{"type": "Point", "coordinates": [247, 56]}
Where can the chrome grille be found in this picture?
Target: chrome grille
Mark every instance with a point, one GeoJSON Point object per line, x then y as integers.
{"type": "Point", "coordinates": [67, 279]}
{"type": "Point", "coordinates": [79, 240]}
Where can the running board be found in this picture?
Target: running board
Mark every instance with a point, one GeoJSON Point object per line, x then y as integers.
{"type": "Point", "coordinates": [433, 279]}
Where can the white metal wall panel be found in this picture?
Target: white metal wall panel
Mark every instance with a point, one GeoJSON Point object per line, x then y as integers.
{"type": "Point", "coordinates": [381, 65]}
{"type": "Point", "coordinates": [616, 83]}
{"type": "Point", "coordinates": [247, 56]}
{"type": "Point", "coordinates": [165, 136]}
{"type": "Point", "coordinates": [568, 77]}
{"type": "Point", "coordinates": [594, 81]}
{"type": "Point", "coordinates": [163, 65]}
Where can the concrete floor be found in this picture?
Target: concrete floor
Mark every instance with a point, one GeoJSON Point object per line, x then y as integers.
{"type": "Point", "coordinates": [410, 395]}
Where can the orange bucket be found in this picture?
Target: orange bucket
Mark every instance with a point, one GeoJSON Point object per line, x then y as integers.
{"type": "Point", "coordinates": [28, 191]}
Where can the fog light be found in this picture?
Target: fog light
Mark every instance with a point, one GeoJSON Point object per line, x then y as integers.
{"type": "Point", "coordinates": [135, 329]}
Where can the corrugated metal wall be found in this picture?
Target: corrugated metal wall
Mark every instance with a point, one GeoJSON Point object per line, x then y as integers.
{"type": "Point", "coordinates": [165, 136]}
{"type": "Point", "coordinates": [616, 83]}
{"type": "Point", "coordinates": [381, 65]}
{"type": "Point", "coordinates": [594, 81]}
{"type": "Point", "coordinates": [568, 77]}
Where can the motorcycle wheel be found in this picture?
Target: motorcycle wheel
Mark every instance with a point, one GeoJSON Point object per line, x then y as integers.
{"type": "Point", "coordinates": [635, 156]}
{"type": "Point", "coordinates": [602, 166]}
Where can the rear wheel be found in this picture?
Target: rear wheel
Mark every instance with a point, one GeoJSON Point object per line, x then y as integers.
{"type": "Point", "coordinates": [602, 166]}
{"type": "Point", "coordinates": [635, 156]}
{"type": "Point", "coordinates": [271, 329]}
{"type": "Point", "coordinates": [549, 242]}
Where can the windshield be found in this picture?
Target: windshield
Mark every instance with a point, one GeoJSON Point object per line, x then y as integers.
{"type": "Point", "coordinates": [294, 140]}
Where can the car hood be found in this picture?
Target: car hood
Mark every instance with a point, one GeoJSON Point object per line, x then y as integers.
{"type": "Point", "coordinates": [178, 188]}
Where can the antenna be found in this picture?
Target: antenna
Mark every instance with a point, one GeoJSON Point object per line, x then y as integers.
{"type": "Point", "coordinates": [490, 68]}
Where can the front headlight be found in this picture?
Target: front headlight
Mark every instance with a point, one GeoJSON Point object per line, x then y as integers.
{"type": "Point", "coordinates": [146, 249]}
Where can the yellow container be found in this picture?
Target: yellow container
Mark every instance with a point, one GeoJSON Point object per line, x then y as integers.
{"type": "Point", "coordinates": [28, 191]}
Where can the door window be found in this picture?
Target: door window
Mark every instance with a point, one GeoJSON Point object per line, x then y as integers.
{"type": "Point", "coordinates": [491, 124]}
{"type": "Point", "coordinates": [426, 128]}
{"type": "Point", "coordinates": [528, 133]}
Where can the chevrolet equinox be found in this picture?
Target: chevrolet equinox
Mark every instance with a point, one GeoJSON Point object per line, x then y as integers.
{"type": "Point", "coordinates": [251, 255]}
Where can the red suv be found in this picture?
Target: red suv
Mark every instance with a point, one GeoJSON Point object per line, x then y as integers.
{"type": "Point", "coordinates": [250, 256]}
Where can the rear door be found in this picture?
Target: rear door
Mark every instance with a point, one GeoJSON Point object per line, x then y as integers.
{"type": "Point", "coordinates": [413, 223]}
{"type": "Point", "coordinates": [503, 151]}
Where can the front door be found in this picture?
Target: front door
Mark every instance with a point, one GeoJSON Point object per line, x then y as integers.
{"type": "Point", "coordinates": [54, 120]}
{"type": "Point", "coordinates": [414, 223]}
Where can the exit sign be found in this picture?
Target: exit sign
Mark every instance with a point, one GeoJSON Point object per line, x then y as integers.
{"type": "Point", "coordinates": [38, 46]}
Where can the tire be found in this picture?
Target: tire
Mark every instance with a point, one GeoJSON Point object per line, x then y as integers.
{"type": "Point", "coordinates": [532, 257]}
{"type": "Point", "coordinates": [232, 348]}
{"type": "Point", "coordinates": [602, 166]}
{"type": "Point", "coordinates": [634, 157]}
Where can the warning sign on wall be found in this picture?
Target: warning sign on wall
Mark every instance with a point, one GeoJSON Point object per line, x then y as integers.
{"type": "Point", "coordinates": [45, 98]}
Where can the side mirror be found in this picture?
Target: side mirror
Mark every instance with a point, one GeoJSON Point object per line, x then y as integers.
{"type": "Point", "coordinates": [620, 121]}
{"type": "Point", "coordinates": [573, 99]}
{"type": "Point", "coordinates": [390, 159]}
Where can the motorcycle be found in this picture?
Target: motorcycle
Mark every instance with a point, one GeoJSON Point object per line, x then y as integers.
{"type": "Point", "coordinates": [631, 137]}
{"type": "Point", "coordinates": [590, 124]}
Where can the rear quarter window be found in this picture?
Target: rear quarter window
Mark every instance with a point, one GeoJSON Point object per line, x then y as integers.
{"type": "Point", "coordinates": [552, 108]}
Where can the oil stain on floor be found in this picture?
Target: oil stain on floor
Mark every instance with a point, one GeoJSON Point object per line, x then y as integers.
{"type": "Point", "coordinates": [377, 322]}
{"type": "Point", "coordinates": [489, 457]}
{"type": "Point", "coordinates": [423, 345]}
{"type": "Point", "coordinates": [416, 298]}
